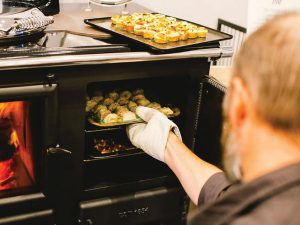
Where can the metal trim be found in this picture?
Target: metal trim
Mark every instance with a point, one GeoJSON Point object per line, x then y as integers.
{"type": "Point", "coordinates": [26, 91]}
{"type": "Point", "coordinates": [90, 59]}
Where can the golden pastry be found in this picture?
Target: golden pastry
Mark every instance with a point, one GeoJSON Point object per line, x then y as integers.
{"type": "Point", "coordinates": [108, 101]}
{"type": "Point", "coordinates": [97, 98]}
{"type": "Point", "coordinates": [113, 106]}
{"type": "Point", "coordinates": [112, 118]}
{"type": "Point", "coordinates": [149, 34]}
{"type": "Point", "coordinates": [125, 94]}
{"type": "Point", "coordinates": [138, 97]}
{"type": "Point", "coordinates": [172, 36]}
{"type": "Point", "coordinates": [202, 32]}
{"type": "Point", "coordinates": [160, 38]}
{"type": "Point", "coordinates": [138, 92]}
{"type": "Point", "coordinates": [143, 102]}
{"type": "Point", "coordinates": [113, 95]}
{"type": "Point", "coordinates": [192, 33]}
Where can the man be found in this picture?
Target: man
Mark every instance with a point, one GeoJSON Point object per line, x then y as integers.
{"type": "Point", "coordinates": [261, 137]}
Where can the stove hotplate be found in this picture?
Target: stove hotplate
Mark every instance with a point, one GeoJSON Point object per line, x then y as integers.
{"type": "Point", "coordinates": [59, 43]}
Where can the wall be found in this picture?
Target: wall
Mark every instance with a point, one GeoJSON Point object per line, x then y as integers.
{"type": "Point", "coordinates": [205, 12]}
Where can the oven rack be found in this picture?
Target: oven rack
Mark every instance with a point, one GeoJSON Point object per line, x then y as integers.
{"type": "Point", "coordinates": [94, 129]}
{"type": "Point", "coordinates": [128, 153]}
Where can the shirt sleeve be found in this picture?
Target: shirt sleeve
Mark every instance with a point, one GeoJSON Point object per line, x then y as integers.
{"type": "Point", "coordinates": [214, 187]}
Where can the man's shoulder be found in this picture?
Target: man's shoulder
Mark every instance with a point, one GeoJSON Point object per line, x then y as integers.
{"type": "Point", "coordinates": [282, 208]}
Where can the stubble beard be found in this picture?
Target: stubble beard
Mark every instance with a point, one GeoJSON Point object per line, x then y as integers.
{"type": "Point", "coordinates": [230, 156]}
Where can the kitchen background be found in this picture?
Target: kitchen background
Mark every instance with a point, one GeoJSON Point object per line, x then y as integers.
{"type": "Point", "coordinates": [205, 12]}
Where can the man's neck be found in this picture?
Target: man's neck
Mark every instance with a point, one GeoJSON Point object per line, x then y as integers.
{"type": "Point", "coordinates": [270, 150]}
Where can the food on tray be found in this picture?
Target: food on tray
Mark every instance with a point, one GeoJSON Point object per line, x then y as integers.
{"type": "Point", "coordinates": [113, 106]}
{"type": "Point", "coordinates": [123, 101]}
{"type": "Point", "coordinates": [138, 92]}
{"type": "Point", "coordinates": [111, 118]}
{"type": "Point", "coordinates": [90, 104]}
{"type": "Point", "coordinates": [138, 97]}
{"type": "Point", "coordinates": [103, 114]}
{"type": "Point", "coordinates": [143, 102]}
{"type": "Point", "coordinates": [157, 27]}
{"type": "Point", "coordinates": [105, 146]}
{"type": "Point", "coordinates": [166, 110]}
{"type": "Point", "coordinates": [113, 95]}
{"type": "Point", "coordinates": [126, 94]}
{"type": "Point", "coordinates": [108, 101]}
{"type": "Point", "coordinates": [160, 38]}
{"type": "Point", "coordinates": [120, 107]}
{"type": "Point", "coordinates": [154, 105]}
{"type": "Point", "coordinates": [100, 108]}
{"type": "Point", "coordinates": [128, 116]}
{"type": "Point", "coordinates": [132, 106]}
{"type": "Point", "coordinates": [97, 98]}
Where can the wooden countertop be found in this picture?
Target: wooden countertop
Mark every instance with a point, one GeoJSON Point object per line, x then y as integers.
{"type": "Point", "coordinates": [73, 22]}
{"type": "Point", "coordinates": [222, 74]}
{"type": "Point", "coordinates": [71, 18]}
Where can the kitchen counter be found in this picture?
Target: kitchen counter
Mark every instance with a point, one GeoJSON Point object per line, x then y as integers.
{"type": "Point", "coordinates": [222, 74]}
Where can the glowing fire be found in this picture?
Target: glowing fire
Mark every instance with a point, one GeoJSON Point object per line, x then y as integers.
{"type": "Point", "coordinates": [14, 139]}
{"type": "Point", "coordinates": [9, 142]}
{"type": "Point", "coordinates": [7, 174]}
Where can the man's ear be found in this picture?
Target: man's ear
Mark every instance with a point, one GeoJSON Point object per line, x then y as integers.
{"type": "Point", "coordinates": [240, 108]}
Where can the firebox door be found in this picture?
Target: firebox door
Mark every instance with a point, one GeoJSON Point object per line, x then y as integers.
{"type": "Point", "coordinates": [27, 127]}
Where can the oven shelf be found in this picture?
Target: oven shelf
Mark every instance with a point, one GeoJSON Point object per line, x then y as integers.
{"type": "Point", "coordinates": [96, 130]}
{"type": "Point", "coordinates": [92, 157]}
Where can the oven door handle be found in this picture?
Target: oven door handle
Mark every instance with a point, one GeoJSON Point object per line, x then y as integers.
{"type": "Point", "coordinates": [27, 91]}
{"type": "Point", "coordinates": [58, 170]}
{"type": "Point", "coordinates": [59, 152]}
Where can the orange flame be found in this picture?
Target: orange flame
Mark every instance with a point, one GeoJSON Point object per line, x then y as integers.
{"type": "Point", "coordinates": [14, 140]}
{"type": "Point", "coordinates": [7, 174]}
{"type": "Point", "coordinates": [15, 132]}
{"type": "Point", "coordinates": [10, 111]}
{"type": "Point", "coordinates": [7, 109]}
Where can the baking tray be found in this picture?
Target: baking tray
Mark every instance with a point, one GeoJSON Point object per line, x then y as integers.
{"type": "Point", "coordinates": [138, 120]}
{"type": "Point", "coordinates": [213, 36]}
{"type": "Point", "coordinates": [94, 154]}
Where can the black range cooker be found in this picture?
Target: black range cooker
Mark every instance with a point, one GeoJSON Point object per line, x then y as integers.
{"type": "Point", "coordinates": [51, 169]}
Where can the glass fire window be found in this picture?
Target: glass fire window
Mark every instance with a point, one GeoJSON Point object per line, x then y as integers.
{"type": "Point", "coordinates": [16, 150]}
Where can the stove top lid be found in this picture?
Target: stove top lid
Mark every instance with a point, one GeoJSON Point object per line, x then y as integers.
{"type": "Point", "coordinates": [59, 43]}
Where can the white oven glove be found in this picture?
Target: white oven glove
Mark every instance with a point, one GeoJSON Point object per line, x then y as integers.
{"type": "Point", "coordinates": [152, 136]}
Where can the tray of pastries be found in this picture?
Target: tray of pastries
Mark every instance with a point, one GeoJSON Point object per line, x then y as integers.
{"type": "Point", "coordinates": [118, 108]}
{"type": "Point", "coordinates": [160, 32]}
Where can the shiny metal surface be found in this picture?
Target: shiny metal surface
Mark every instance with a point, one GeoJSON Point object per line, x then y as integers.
{"type": "Point", "coordinates": [108, 58]}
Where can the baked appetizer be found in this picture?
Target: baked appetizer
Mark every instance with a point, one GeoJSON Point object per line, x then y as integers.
{"type": "Point", "coordinates": [160, 38]}
{"type": "Point", "coordinates": [112, 118]}
{"type": "Point", "coordinates": [158, 28]}
{"type": "Point", "coordinates": [120, 107]}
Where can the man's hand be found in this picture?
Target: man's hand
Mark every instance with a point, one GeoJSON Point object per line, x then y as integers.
{"type": "Point", "coordinates": [152, 136]}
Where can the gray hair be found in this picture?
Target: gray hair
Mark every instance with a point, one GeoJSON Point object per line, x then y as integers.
{"type": "Point", "coordinates": [269, 64]}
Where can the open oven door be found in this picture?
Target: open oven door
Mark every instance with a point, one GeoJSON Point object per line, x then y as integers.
{"type": "Point", "coordinates": [207, 142]}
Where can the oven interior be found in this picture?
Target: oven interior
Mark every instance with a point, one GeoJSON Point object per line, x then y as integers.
{"type": "Point", "coordinates": [19, 141]}
{"type": "Point", "coordinates": [129, 164]}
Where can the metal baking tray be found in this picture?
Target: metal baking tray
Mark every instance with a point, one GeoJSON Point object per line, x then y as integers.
{"type": "Point", "coordinates": [138, 120]}
{"type": "Point", "coordinates": [213, 36]}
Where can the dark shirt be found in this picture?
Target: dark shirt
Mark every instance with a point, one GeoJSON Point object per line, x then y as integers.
{"type": "Point", "coordinates": [273, 199]}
